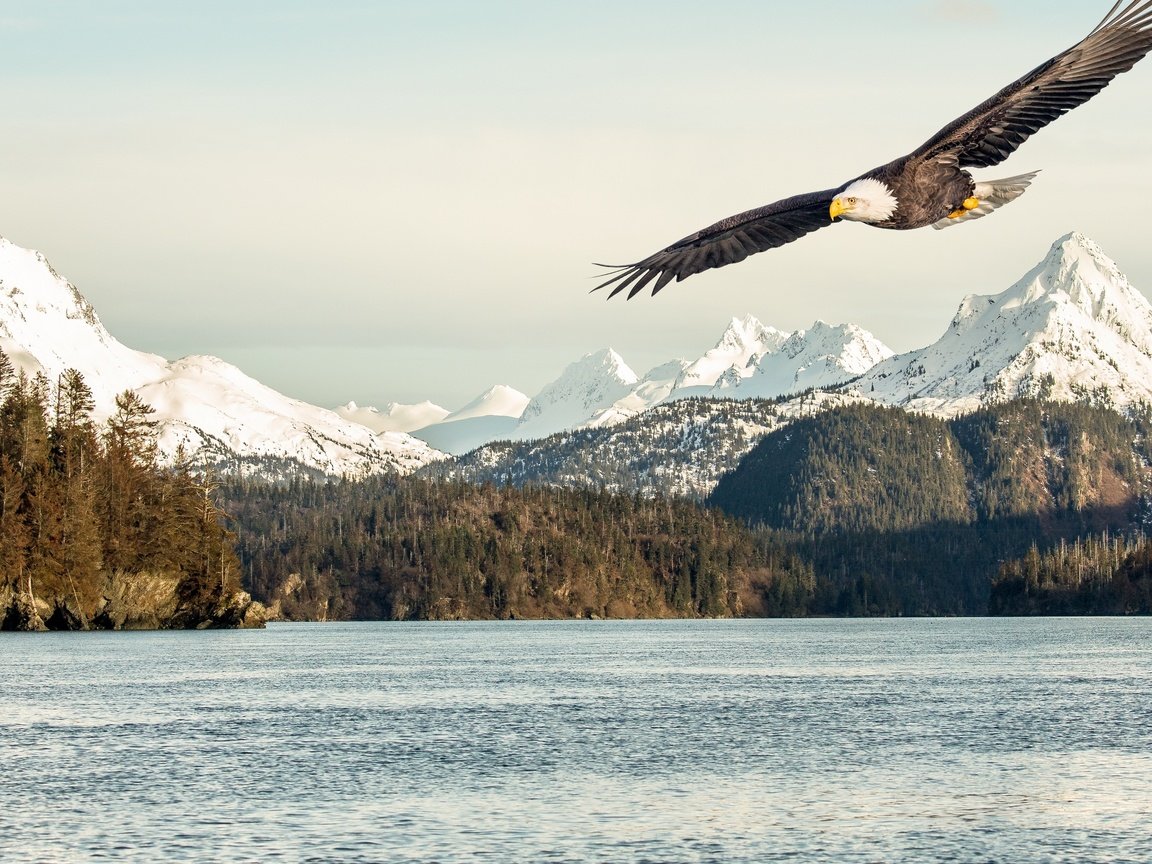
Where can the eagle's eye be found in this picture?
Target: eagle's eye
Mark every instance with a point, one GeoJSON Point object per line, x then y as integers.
{"type": "Point", "coordinates": [852, 202]}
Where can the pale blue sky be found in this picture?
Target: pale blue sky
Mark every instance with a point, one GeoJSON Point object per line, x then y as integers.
{"type": "Point", "coordinates": [401, 200]}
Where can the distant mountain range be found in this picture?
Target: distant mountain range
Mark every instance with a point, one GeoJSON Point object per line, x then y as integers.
{"type": "Point", "coordinates": [1072, 329]}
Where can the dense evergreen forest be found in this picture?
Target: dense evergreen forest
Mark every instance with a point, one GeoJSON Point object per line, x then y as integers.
{"type": "Point", "coordinates": [391, 548]}
{"type": "Point", "coordinates": [909, 515]}
{"type": "Point", "coordinates": [861, 510]}
{"type": "Point", "coordinates": [95, 534]}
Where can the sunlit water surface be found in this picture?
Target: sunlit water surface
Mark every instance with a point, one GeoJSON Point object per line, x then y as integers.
{"type": "Point", "coordinates": [733, 741]}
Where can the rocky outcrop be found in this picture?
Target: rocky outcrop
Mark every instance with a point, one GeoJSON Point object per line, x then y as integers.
{"type": "Point", "coordinates": [138, 601]}
{"type": "Point", "coordinates": [18, 611]}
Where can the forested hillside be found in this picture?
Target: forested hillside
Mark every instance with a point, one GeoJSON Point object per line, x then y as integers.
{"type": "Point", "coordinates": [1095, 576]}
{"type": "Point", "coordinates": [392, 548]}
{"type": "Point", "coordinates": [678, 448]}
{"type": "Point", "coordinates": [913, 515]}
{"type": "Point", "coordinates": [862, 510]}
{"type": "Point", "coordinates": [94, 533]}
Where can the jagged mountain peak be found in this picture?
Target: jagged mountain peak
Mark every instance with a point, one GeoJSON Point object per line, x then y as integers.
{"type": "Point", "coordinates": [1074, 257]}
{"type": "Point", "coordinates": [749, 335]}
{"type": "Point", "coordinates": [26, 271]}
{"type": "Point", "coordinates": [821, 335]}
{"type": "Point", "coordinates": [206, 408]}
{"type": "Point", "coordinates": [606, 361]}
{"type": "Point", "coordinates": [585, 388]}
{"type": "Point", "coordinates": [1075, 272]}
{"type": "Point", "coordinates": [823, 356]}
{"type": "Point", "coordinates": [743, 339]}
{"type": "Point", "coordinates": [47, 326]}
{"type": "Point", "coordinates": [747, 331]}
{"type": "Point", "coordinates": [1073, 328]}
{"type": "Point", "coordinates": [596, 366]}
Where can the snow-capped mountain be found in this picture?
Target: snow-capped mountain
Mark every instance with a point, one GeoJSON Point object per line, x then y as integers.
{"type": "Point", "coordinates": [657, 386]}
{"type": "Point", "coordinates": [751, 361]}
{"type": "Point", "coordinates": [492, 415]}
{"type": "Point", "coordinates": [498, 401]}
{"type": "Point", "coordinates": [217, 413]}
{"type": "Point", "coordinates": [588, 387]}
{"type": "Point", "coordinates": [1073, 329]}
{"type": "Point", "coordinates": [393, 417]}
{"type": "Point", "coordinates": [821, 357]}
{"type": "Point", "coordinates": [745, 340]}
{"type": "Point", "coordinates": [46, 325]}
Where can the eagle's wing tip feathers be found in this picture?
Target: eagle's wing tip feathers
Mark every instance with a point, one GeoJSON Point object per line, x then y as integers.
{"type": "Point", "coordinates": [634, 278]}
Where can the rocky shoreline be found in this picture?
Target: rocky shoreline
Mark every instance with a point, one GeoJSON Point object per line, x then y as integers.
{"type": "Point", "coordinates": [137, 602]}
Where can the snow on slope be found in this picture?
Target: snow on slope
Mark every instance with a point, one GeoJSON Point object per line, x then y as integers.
{"type": "Point", "coordinates": [219, 414]}
{"type": "Point", "coordinates": [491, 416]}
{"type": "Point", "coordinates": [587, 387]}
{"type": "Point", "coordinates": [393, 417]}
{"type": "Point", "coordinates": [498, 401]}
{"type": "Point", "coordinates": [658, 385]}
{"type": "Point", "coordinates": [212, 408]}
{"type": "Point", "coordinates": [47, 326]}
{"type": "Point", "coordinates": [458, 437]}
{"type": "Point", "coordinates": [818, 358]}
{"type": "Point", "coordinates": [751, 361]}
{"type": "Point", "coordinates": [744, 339]}
{"type": "Point", "coordinates": [1072, 329]}
{"type": "Point", "coordinates": [681, 447]}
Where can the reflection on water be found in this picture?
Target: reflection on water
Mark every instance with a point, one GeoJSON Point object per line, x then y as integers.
{"type": "Point", "coordinates": [821, 741]}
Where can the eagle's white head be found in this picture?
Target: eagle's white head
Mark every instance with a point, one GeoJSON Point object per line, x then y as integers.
{"type": "Point", "coordinates": [866, 200]}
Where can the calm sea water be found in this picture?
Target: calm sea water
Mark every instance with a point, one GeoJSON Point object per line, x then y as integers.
{"type": "Point", "coordinates": [730, 741]}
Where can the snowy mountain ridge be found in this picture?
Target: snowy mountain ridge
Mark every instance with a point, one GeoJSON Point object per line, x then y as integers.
{"type": "Point", "coordinates": [750, 360]}
{"type": "Point", "coordinates": [1072, 329]}
{"type": "Point", "coordinates": [208, 408]}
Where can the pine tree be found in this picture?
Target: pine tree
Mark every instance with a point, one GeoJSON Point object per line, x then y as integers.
{"type": "Point", "coordinates": [14, 534]}
{"type": "Point", "coordinates": [74, 448]}
{"type": "Point", "coordinates": [129, 474]}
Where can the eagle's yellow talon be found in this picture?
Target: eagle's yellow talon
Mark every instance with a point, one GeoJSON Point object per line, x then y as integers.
{"type": "Point", "coordinates": [968, 205]}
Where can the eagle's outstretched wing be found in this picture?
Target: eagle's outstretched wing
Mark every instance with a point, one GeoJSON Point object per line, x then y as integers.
{"type": "Point", "coordinates": [728, 241]}
{"type": "Point", "coordinates": [991, 132]}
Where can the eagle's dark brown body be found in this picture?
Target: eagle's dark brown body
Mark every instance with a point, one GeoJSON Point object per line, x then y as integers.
{"type": "Point", "coordinates": [930, 185]}
{"type": "Point", "coordinates": [927, 191]}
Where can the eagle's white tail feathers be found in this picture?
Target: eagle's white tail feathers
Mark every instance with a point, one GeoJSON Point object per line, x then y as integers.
{"type": "Point", "coordinates": [992, 195]}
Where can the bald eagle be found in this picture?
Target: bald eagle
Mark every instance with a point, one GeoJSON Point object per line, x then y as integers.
{"type": "Point", "coordinates": [929, 186]}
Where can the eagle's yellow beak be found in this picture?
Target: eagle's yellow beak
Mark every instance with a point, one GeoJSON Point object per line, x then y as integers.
{"type": "Point", "coordinates": [837, 209]}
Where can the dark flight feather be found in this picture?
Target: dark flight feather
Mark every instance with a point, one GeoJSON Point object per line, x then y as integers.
{"type": "Point", "coordinates": [991, 132]}
{"type": "Point", "coordinates": [727, 242]}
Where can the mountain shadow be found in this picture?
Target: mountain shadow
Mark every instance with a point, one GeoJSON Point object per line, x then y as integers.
{"type": "Point", "coordinates": [904, 514]}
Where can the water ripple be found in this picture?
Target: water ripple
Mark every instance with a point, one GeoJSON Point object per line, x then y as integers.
{"type": "Point", "coordinates": [824, 741]}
